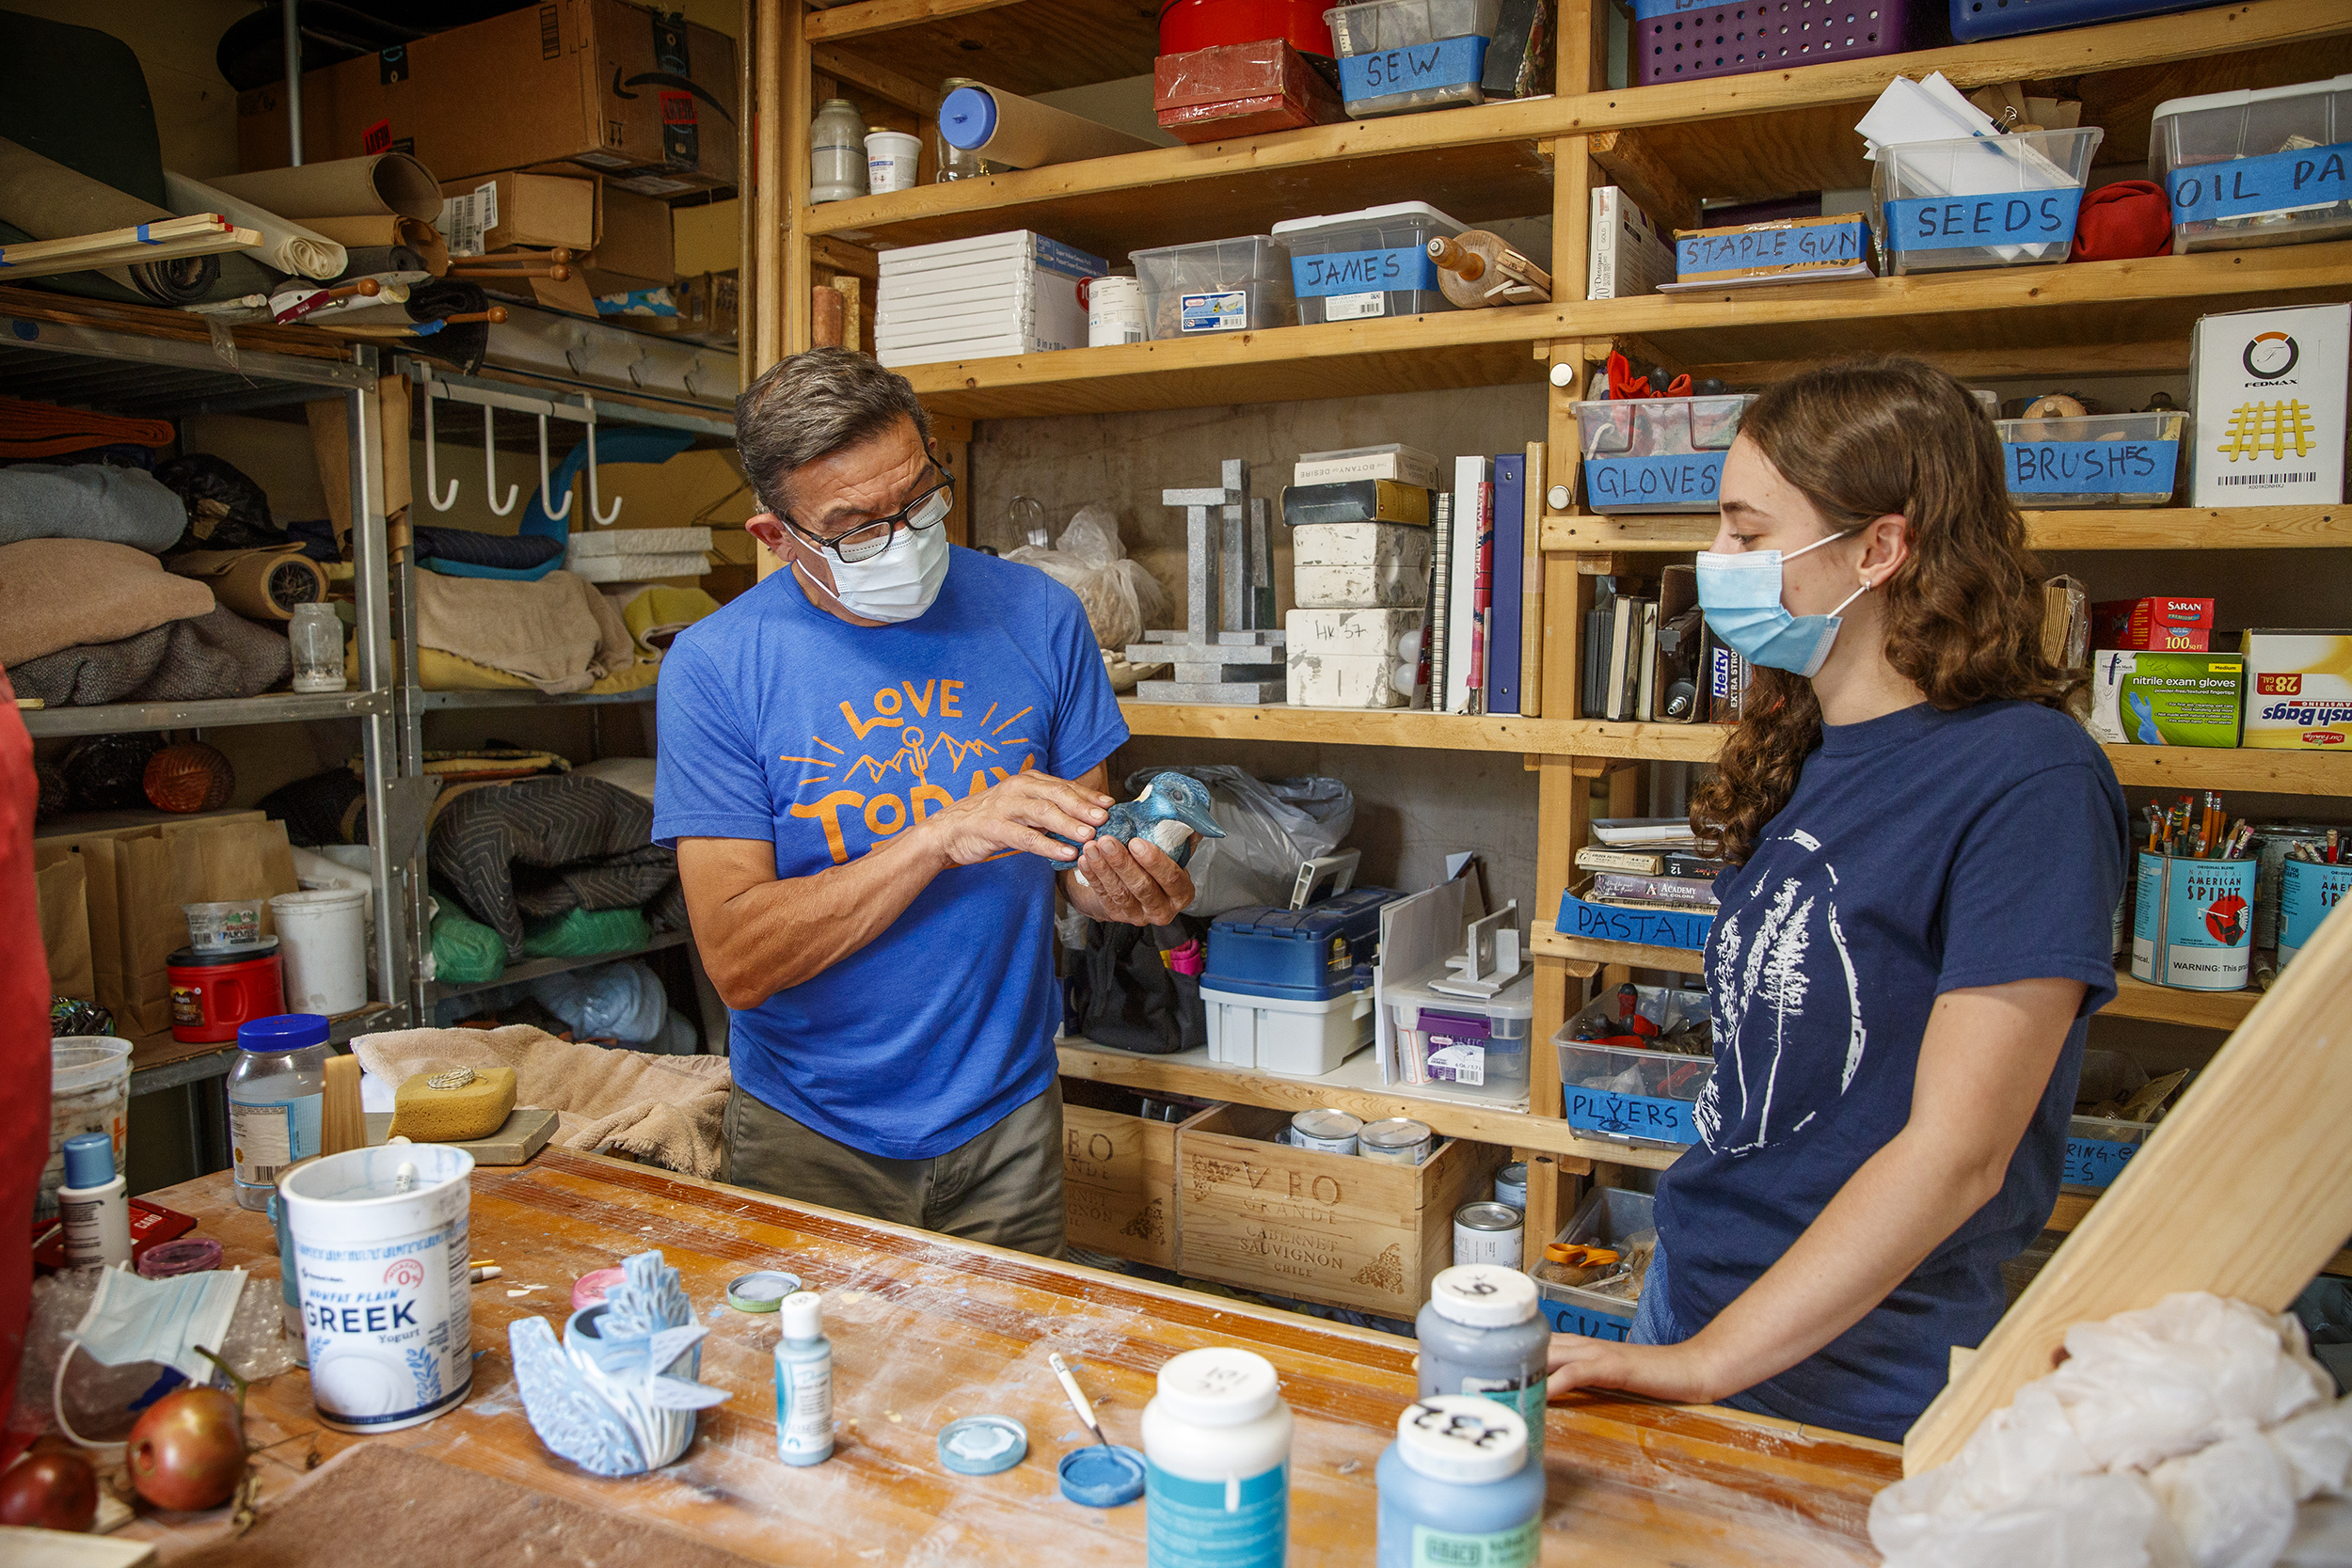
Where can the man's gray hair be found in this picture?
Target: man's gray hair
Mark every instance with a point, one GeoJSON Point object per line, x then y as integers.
{"type": "Point", "coordinates": [813, 404]}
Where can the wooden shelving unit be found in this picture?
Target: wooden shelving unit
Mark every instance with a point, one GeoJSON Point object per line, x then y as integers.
{"type": "Point", "coordinates": [2155, 528]}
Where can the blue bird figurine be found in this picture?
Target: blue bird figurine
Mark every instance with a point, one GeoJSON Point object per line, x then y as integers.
{"type": "Point", "coordinates": [1171, 810]}
{"type": "Point", "coordinates": [619, 1395]}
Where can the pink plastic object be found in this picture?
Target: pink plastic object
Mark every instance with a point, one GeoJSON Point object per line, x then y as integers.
{"type": "Point", "coordinates": [1693, 42]}
{"type": "Point", "coordinates": [589, 1288]}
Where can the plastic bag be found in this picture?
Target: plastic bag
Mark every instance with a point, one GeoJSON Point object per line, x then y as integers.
{"type": "Point", "coordinates": [1120, 596]}
{"type": "Point", "coordinates": [1270, 826]}
{"type": "Point", "coordinates": [465, 951]}
{"type": "Point", "coordinates": [586, 933]}
{"type": "Point", "coordinates": [619, 1001]}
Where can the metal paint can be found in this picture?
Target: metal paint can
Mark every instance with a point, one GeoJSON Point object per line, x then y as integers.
{"type": "Point", "coordinates": [1511, 1185]}
{"type": "Point", "coordinates": [1489, 1233]}
{"type": "Point", "coordinates": [2193, 922]}
{"type": "Point", "coordinates": [1326, 1130]}
{"type": "Point", "coordinates": [1399, 1140]}
{"type": "Point", "coordinates": [2307, 894]}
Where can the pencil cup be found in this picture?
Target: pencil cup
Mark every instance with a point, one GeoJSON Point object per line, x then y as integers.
{"type": "Point", "coordinates": [2193, 922]}
{"type": "Point", "coordinates": [2307, 892]}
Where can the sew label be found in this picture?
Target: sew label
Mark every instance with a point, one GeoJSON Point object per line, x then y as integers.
{"type": "Point", "coordinates": [1649, 480]}
{"type": "Point", "coordinates": [1349, 272]}
{"type": "Point", "coordinates": [2250, 187]}
{"type": "Point", "coordinates": [2096, 1161]}
{"type": "Point", "coordinates": [1963, 222]}
{"type": "Point", "coordinates": [1417, 68]}
{"type": "Point", "coordinates": [1813, 245]}
{"type": "Point", "coordinates": [1224, 311]}
{"type": "Point", "coordinates": [2068, 467]}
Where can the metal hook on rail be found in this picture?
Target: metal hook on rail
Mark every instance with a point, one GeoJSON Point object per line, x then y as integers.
{"type": "Point", "coordinates": [433, 493]}
{"type": "Point", "coordinates": [546, 503]}
{"type": "Point", "coordinates": [490, 467]}
{"type": "Point", "coordinates": [595, 508]}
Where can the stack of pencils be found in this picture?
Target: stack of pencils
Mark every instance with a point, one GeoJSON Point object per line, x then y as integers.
{"type": "Point", "coordinates": [2318, 854]}
{"type": "Point", "coordinates": [2191, 831]}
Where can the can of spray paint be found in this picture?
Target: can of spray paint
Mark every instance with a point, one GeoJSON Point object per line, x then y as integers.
{"type": "Point", "coordinates": [803, 1381]}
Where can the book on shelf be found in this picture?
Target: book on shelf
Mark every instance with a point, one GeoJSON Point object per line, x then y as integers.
{"type": "Point", "coordinates": [1691, 863]}
{"type": "Point", "coordinates": [1441, 619]}
{"type": "Point", "coordinates": [1531, 585]}
{"type": "Point", "coordinates": [1627, 887]}
{"type": "Point", "coordinates": [1503, 648]}
{"type": "Point", "coordinates": [1403, 464]}
{"type": "Point", "coordinates": [1666, 832]}
{"type": "Point", "coordinates": [1644, 862]}
{"type": "Point", "coordinates": [1630, 253]}
{"type": "Point", "coordinates": [1472, 480]}
{"type": "Point", "coordinates": [1355, 500]}
{"type": "Point", "coordinates": [1645, 680]}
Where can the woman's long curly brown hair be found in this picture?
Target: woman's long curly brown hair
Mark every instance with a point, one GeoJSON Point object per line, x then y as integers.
{"type": "Point", "coordinates": [1860, 439]}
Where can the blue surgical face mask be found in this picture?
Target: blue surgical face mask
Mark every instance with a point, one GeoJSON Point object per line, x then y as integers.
{"type": "Point", "coordinates": [1739, 594]}
{"type": "Point", "coordinates": [131, 1318]}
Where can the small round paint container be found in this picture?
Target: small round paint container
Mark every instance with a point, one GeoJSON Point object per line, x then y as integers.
{"type": "Point", "coordinates": [1102, 1475]}
{"type": "Point", "coordinates": [1487, 1232]}
{"type": "Point", "coordinates": [1399, 1140]}
{"type": "Point", "coordinates": [1511, 1185]}
{"type": "Point", "coordinates": [982, 1445]}
{"type": "Point", "coordinates": [762, 1290]}
{"type": "Point", "coordinates": [1326, 1130]}
{"type": "Point", "coordinates": [589, 1288]}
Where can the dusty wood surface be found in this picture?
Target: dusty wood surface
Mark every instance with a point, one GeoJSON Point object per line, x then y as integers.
{"type": "Point", "coordinates": [924, 1330]}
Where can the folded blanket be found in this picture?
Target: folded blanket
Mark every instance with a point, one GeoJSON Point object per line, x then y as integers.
{"type": "Point", "coordinates": [557, 633]}
{"type": "Point", "coordinates": [87, 501]}
{"type": "Point", "coordinates": [663, 1110]}
{"type": "Point", "coordinates": [513, 551]}
{"type": "Point", "coordinates": [73, 593]}
{"type": "Point", "coordinates": [656, 613]}
{"type": "Point", "coordinates": [216, 655]}
{"type": "Point", "coordinates": [534, 847]}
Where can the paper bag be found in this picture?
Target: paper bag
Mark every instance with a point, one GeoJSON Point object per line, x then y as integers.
{"type": "Point", "coordinates": [59, 890]}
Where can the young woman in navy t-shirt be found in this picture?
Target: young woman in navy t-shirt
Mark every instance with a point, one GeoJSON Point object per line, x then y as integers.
{"type": "Point", "coordinates": [1916, 930]}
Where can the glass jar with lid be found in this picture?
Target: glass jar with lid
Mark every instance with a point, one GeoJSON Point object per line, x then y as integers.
{"type": "Point", "coordinates": [276, 1095]}
{"type": "Point", "coordinates": [836, 152]}
{"type": "Point", "coordinates": [316, 636]}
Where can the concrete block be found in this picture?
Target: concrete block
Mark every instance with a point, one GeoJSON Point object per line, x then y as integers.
{"type": "Point", "coordinates": [1375, 633]}
{"type": "Point", "coordinates": [1349, 680]}
{"type": "Point", "coordinates": [1230, 693]}
{"type": "Point", "coordinates": [1394, 586]}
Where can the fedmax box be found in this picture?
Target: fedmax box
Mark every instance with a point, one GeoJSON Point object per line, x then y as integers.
{"type": "Point", "coordinates": [646, 98]}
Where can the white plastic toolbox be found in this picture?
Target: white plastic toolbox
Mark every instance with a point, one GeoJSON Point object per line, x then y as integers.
{"type": "Point", "coordinates": [1281, 1034]}
{"type": "Point", "coordinates": [1980, 201]}
{"type": "Point", "coordinates": [2256, 167]}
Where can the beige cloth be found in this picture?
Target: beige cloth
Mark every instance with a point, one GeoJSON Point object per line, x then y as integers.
{"type": "Point", "coordinates": [558, 633]}
{"type": "Point", "coordinates": [663, 1110]}
{"type": "Point", "coordinates": [57, 594]}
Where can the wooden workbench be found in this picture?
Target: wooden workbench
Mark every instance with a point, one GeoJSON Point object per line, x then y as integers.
{"type": "Point", "coordinates": [924, 1330]}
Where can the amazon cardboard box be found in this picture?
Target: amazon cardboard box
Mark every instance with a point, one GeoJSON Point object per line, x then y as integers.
{"type": "Point", "coordinates": [503, 210]}
{"type": "Point", "coordinates": [636, 250]}
{"type": "Point", "coordinates": [646, 100]}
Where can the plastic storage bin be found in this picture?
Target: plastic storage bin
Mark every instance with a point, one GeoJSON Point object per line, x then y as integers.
{"type": "Point", "coordinates": [1301, 1037]}
{"type": "Point", "coordinates": [1687, 40]}
{"type": "Point", "coordinates": [1397, 55]}
{"type": "Point", "coordinates": [2256, 167]}
{"type": "Point", "coordinates": [1610, 1218]}
{"type": "Point", "coordinates": [1307, 955]}
{"type": "Point", "coordinates": [1462, 1043]}
{"type": "Point", "coordinates": [1657, 454]}
{"type": "Point", "coordinates": [1973, 20]}
{"type": "Point", "coordinates": [1235, 285]}
{"type": "Point", "coordinates": [2097, 460]}
{"type": "Point", "coordinates": [1980, 201]}
{"type": "Point", "coordinates": [1633, 1094]}
{"type": "Point", "coordinates": [2097, 1149]}
{"type": "Point", "coordinates": [1350, 266]}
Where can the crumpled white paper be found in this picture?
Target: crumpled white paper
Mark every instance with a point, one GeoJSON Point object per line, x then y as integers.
{"type": "Point", "coordinates": [2183, 1435]}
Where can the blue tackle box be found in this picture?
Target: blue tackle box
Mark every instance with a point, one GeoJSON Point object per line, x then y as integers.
{"type": "Point", "coordinates": [1306, 955]}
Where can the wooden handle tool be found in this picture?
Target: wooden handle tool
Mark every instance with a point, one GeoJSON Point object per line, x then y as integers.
{"type": "Point", "coordinates": [342, 1125]}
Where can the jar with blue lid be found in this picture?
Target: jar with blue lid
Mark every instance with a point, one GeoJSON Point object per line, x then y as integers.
{"type": "Point", "coordinates": [276, 1091]}
{"type": "Point", "coordinates": [1458, 1486]}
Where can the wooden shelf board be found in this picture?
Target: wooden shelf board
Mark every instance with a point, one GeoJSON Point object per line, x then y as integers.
{"type": "Point", "coordinates": [2240, 768]}
{"type": "Point", "coordinates": [1354, 1087]}
{"type": "Point", "coordinates": [1544, 941]}
{"type": "Point", "coordinates": [2201, 1009]}
{"type": "Point", "coordinates": [1023, 46]}
{"type": "Point", "coordinates": [2167, 528]}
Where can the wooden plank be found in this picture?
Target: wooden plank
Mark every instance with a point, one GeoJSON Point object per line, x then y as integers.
{"type": "Point", "coordinates": [793, 64]}
{"type": "Point", "coordinates": [152, 321]}
{"type": "Point", "coordinates": [2152, 1233]}
{"type": "Point", "coordinates": [2071, 1208]}
{"type": "Point", "coordinates": [876, 79]}
{"type": "Point", "coordinates": [1028, 47]}
{"type": "Point", "coordinates": [881, 16]}
{"type": "Point", "coordinates": [2310, 772]}
{"type": "Point", "coordinates": [2161, 528]}
{"type": "Point", "coordinates": [525, 1132]}
{"type": "Point", "coordinates": [771, 197]}
{"type": "Point", "coordinates": [1633, 166]}
{"type": "Point", "coordinates": [1546, 942]}
{"type": "Point", "coordinates": [2143, 357]}
{"type": "Point", "coordinates": [1436, 731]}
{"type": "Point", "coordinates": [2201, 1009]}
{"type": "Point", "coordinates": [841, 256]}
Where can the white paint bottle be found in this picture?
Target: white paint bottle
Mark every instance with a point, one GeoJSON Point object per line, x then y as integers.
{"type": "Point", "coordinates": [94, 1203]}
{"type": "Point", "coordinates": [803, 1381]}
{"type": "Point", "coordinates": [1217, 1449]}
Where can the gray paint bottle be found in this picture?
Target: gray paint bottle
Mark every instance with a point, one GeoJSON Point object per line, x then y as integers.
{"type": "Point", "coordinates": [1482, 1333]}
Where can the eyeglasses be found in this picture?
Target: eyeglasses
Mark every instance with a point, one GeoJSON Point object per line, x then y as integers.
{"type": "Point", "coordinates": [868, 540]}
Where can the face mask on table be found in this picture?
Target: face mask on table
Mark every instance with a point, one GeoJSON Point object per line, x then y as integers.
{"type": "Point", "coordinates": [1739, 594]}
{"type": "Point", "coordinates": [897, 585]}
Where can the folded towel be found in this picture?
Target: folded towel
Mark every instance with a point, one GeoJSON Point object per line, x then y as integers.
{"type": "Point", "coordinates": [663, 1110]}
{"type": "Point", "coordinates": [558, 633]}
{"type": "Point", "coordinates": [655, 613]}
{"type": "Point", "coordinates": [217, 655]}
{"type": "Point", "coordinates": [87, 501]}
{"type": "Point", "coordinates": [72, 592]}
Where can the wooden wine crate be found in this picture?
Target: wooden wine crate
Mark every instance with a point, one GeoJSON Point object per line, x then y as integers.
{"type": "Point", "coordinates": [1335, 1228]}
{"type": "Point", "coordinates": [1118, 1176]}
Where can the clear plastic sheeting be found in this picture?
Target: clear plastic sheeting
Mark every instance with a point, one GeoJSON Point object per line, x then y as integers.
{"type": "Point", "coordinates": [1270, 825]}
{"type": "Point", "coordinates": [1120, 596]}
{"type": "Point", "coordinates": [2185, 1436]}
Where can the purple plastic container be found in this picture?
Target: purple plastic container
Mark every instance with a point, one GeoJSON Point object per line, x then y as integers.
{"type": "Point", "coordinates": [1688, 40]}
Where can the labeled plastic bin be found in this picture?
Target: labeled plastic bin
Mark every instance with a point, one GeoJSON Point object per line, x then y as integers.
{"type": "Point", "coordinates": [1612, 1217]}
{"type": "Point", "coordinates": [1657, 454]}
{"type": "Point", "coordinates": [1633, 1094]}
{"type": "Point", "coordinates": [1980, 201]}
{"type": "Point", "coordinates": [1398, 56]}
{"type": "Point", "coordinates": [2247, 169]}
{"type": "Point", "coordinates": [1688, 40]}
{"type": "Point", "coordinates": [1351, 266]}
{"type": "Point", "coordinates": [2097, 1149]}
{"type": "Point", "coordinates": [1300, 1037]}
{"type": "Point", "coordinates": [2102, 460]}
{"type": "Point", "coordinates": [1461, 1043]}
{"type": "Point", "coordinates": [1975, 20]}
{"type": "Point", "coordinates": [1237, 285]}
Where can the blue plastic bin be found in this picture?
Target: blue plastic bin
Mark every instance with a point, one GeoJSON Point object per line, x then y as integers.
{"type": "Point", "coordinates": [1973, 20]}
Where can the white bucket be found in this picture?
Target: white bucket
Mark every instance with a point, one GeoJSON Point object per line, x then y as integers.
{"type": "Point", "coordinates": [322, 943]}
{"type": "Point", "coordinates": [892, 158]}
{"type": "Point", "coordinates": [386, 1304]}
{"type": "Point", "coordinates": [90, 1091]}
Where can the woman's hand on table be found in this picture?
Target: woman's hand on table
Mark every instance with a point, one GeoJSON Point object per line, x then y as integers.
{"type": "Point", "coordinates": [1682, 1374]}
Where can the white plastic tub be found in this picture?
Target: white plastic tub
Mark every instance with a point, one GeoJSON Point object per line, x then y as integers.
{"type": "Point", "coordinates": [2102, 460]}
{"type": "Point", "coordinates": [1980, 201]}
{"type": "Point", "coordinates": [2261, 167]}
{"type": "Point", "coordinates": [90, 1091]}
{"type": "Point", "coordinates": [322, 941]}
{"type": "Point", "coordinates": [1352, 266]}
{"type": "Point", "coordinates": [1235, 285]}
{"type": "Point", "coordinates": [1276, 1034]}
{"type": "Point", "coordinates": [1397, 55]}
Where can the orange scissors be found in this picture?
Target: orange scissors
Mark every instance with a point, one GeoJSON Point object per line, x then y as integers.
{"type": "Point", "coordinates": [1574, 1255]}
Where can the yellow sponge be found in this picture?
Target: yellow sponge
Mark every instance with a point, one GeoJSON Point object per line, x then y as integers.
{"type": "Point", "coordinates": [450, 1107]}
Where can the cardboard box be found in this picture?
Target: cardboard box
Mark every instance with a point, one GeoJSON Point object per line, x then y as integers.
{"type": "Point", "coordinates": [2298, 689]}
{"type": "Point", "coordinates": [2165, 698]}
{"type": "Point", "coordinates": [1629, 255]}
{"type": "Point", "coordinates": [616, 88]}
{"type": "Point", "coordinates": [1118, 1176]}
{"type": "Point", "coordinates": [2270, 406]}
{"type": "Point", "coordinates": [635, 248]}
{"type": "Point", "coordinates": [505, 210]}
{"type": "Point", "coordinates": [2172, 626]}
{"type": "Point", "coordinates": [705, 237]}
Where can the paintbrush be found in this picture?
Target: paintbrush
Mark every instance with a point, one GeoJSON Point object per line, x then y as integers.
{"type": "Point", "coordinates": [1077, 1397]}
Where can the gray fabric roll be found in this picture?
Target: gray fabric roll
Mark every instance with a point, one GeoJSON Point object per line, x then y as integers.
{"type": "Point", "coordinates": [219, 655]}
{"type": "Point", "coordinates": [88, 501]}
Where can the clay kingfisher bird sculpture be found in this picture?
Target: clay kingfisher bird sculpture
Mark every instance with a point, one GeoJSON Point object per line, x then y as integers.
{"type": "Point", "coordinates": [619, 1395]}
{"type": "Point", "coordinates": [1173, 813]}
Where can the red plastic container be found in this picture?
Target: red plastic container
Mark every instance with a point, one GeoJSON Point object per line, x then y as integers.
{"type": "Point", "coordinates": [1240, 90]}
{"type": "Point", "coordinates": [1189, 25]}
{"type": "Point", "coordinates": [1674, 41]}
{"type": "Point", "coordinates": [214, 992]}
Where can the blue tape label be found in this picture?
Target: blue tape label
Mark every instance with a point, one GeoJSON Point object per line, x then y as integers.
{"type": "Point", "coordinates": [2275, 182]}
{"type": "Point", "coordinates": [1654, 927]}
{"type": "Point", "coordinates": [1631, 1116]}
{"type": "Point", "coordinates": [2096, 1161]}
{"type": "Point", "coordinates": [1571, 1317]}
{"type": "Point", "coordinates": [1963, 222]}
{"type": "Point", "coordinates": [1650, 10]}
{"type": "Point", "coordinates": [1349, 272]}
{"type": "Point", "coordinates": [1813, 245]}
{"type": "Point", "coordinates": [1650, 481]}
{"type": "Point", "coordinates": [2068, 467]}
{"type": "Point", "coordinates": [1416, 67]}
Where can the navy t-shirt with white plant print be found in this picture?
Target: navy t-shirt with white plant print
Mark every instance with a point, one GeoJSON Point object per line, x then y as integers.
{"type": "Point", "coordinates": [1921, 853]}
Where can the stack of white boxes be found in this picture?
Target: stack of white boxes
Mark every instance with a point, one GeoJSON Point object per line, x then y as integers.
{"type": "Point", "coordinates": [1354, 641]}
{"type": "Point", "coordinates": [1015, 293]}
{"type": "Point", "coordinates": [637, 554]}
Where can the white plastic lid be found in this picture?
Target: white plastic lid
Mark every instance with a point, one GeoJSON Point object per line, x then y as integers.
{"type": "Point", "coordinates": [2240, 97]}
{"type": "Point", "coordinates": [1371, 214]}
{"type": "Point", "coordinates": [1221, 1386]}
{"type": "Point", "coordinates": [1462, 1437]}
{"type": "Point", "coordinates": [1483, 1295]}
{"type": "Point", "coordinates": [1514, 1001]}
{"type": "Point", "coordinates": [802, 1315]}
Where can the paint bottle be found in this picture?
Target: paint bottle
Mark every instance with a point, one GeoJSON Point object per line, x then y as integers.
{"type": "Point", "coordinates": [1482, 1333]}
{"type": "Point", "coordinates": [95, 1203]}
{"type": "Point", "coordinates": [275, 1092]}
{"type": "Point", "coordinates": [1216, 1450]}
{"type": "Point", "coordinates": [1458, 1485]}
{"type": "Point", "coordinates": [803, 1381]}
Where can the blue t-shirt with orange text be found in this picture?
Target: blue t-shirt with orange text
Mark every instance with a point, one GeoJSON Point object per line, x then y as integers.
{"type": "Point", "coordinates": [781, 721]}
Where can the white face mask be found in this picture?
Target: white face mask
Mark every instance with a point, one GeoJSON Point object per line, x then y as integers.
{"type": "Point", "coordinates": [897, 585]}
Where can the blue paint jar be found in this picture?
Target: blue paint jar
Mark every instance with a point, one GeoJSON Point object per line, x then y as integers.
{"type": "Point", "coordinates": [1217, 1449]}
{"type": "Point", "coordinates": [2307, 892]}
{"type": "Point", "coordinates": [2193, 922]}
{"type": "Point", "coordinates": [1457, 1486]}
{"type": "Point", "coordinates": [1483, 1334]}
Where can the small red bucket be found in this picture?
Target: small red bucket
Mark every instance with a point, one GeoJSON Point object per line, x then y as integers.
{"type": "Point", "coordinates": [214, 992]}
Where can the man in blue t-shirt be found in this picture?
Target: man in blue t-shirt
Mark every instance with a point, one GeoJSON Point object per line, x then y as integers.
{"type": "Point", "coordinates": [862, 760]}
